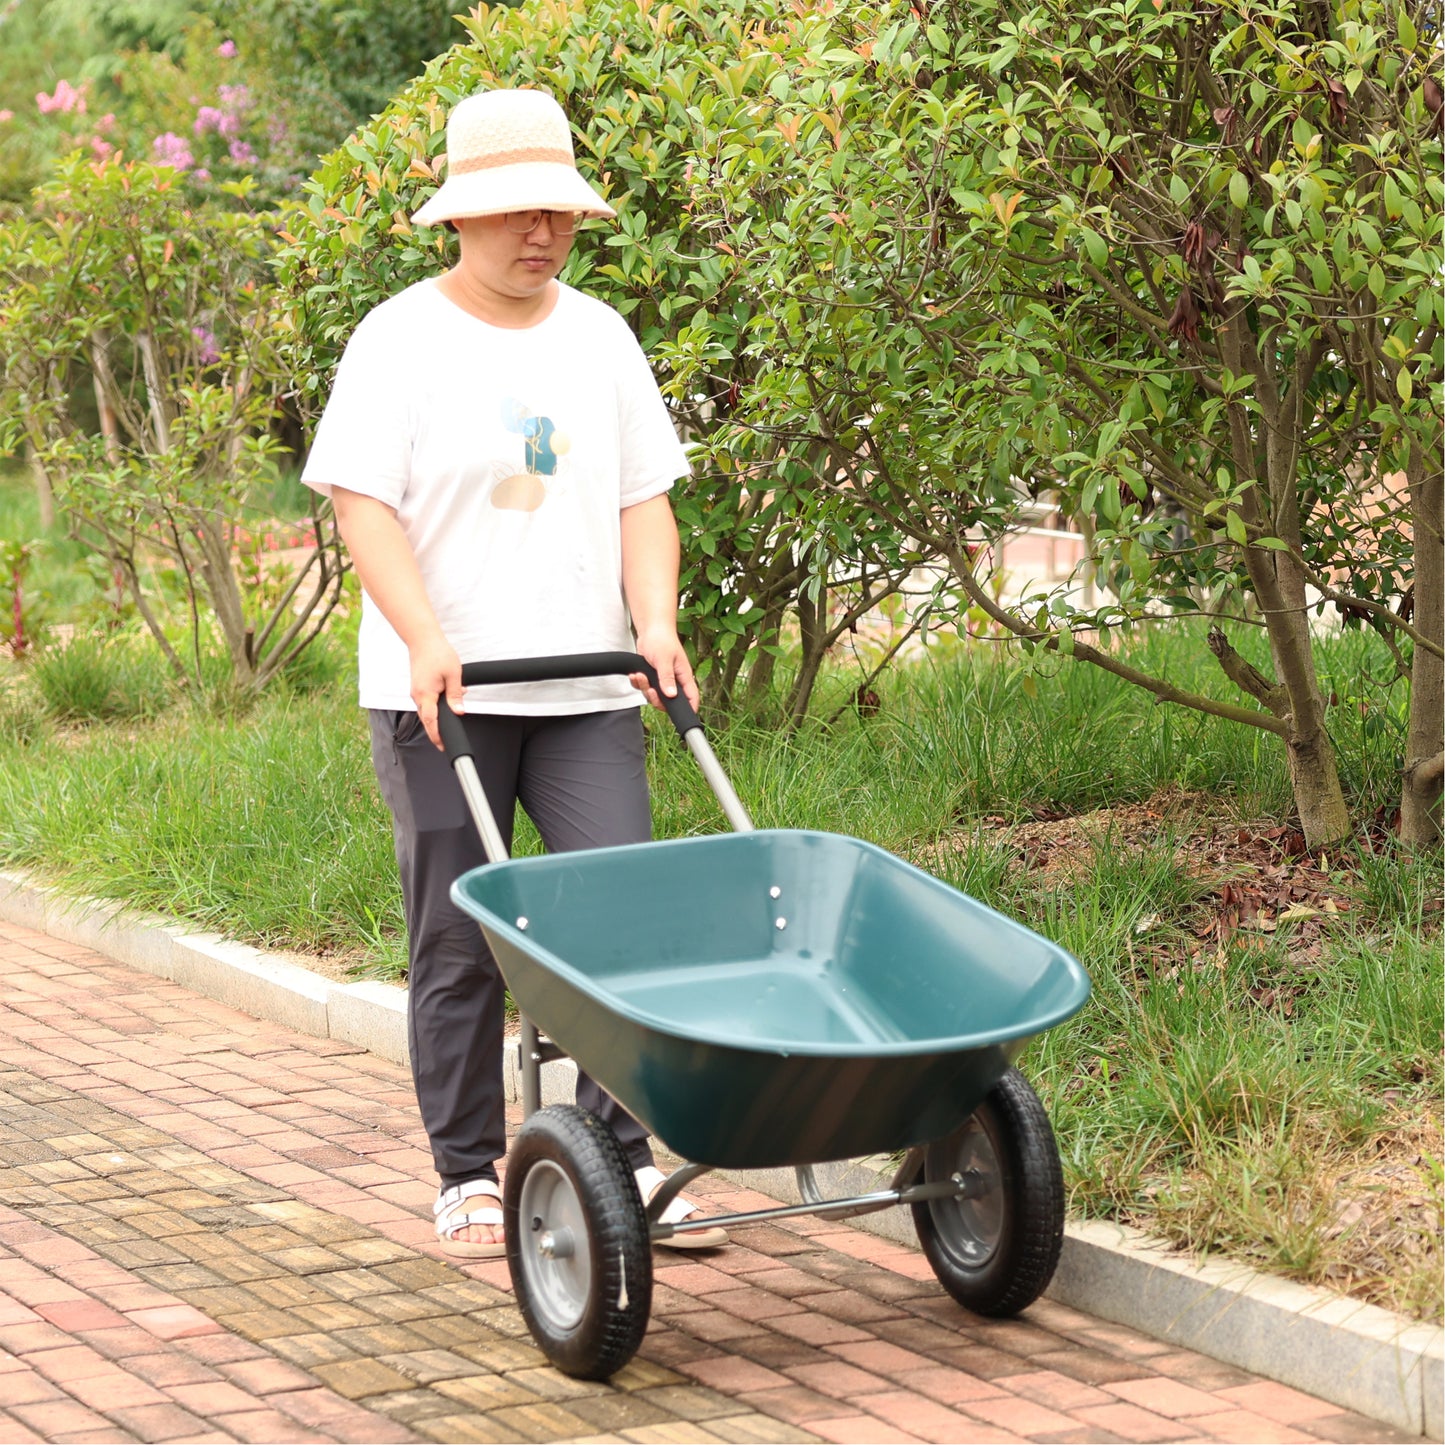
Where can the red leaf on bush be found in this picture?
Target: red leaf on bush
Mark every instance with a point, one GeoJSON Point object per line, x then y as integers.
{"type": "Point", "coordinates": [1184, 319]}
{"type": "Point", "coordinates": [1338, 99]}
{"type": "Point", "coordinates": [1191, 246]}
{"type": "Point", "coordinates": [1434, 102]}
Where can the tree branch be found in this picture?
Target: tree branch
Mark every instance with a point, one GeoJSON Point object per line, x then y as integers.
{"type": "Point", "coordinates": [1164, 691]}
{"type": "Point", "coordinates": [1426, 773]}
{"type": "Point", "coordinates": [1247, 677]}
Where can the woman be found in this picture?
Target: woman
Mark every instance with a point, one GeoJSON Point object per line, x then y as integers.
{"type": "Point", "coordinates": [499, 459]}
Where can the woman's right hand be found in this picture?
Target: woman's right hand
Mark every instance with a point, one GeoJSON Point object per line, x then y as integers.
{"type": "Point", "coordinates": [388, 571]}
{"type": "Point", "coordinates": [435, 669]}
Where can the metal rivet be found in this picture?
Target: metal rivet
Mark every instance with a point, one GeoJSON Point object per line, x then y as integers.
{"type": "Point", "coordinates": [782, 923]}
{"type": "Point", "coordinates": [775, 891]}
{"type": "Point", "coordinates": [521, 923]}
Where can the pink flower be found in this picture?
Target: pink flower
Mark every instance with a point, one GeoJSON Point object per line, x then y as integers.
{"type": "Point", "coordinates": [170, 149]}
{"type": "Point", "coordinates": [206, 352]}
{"type": "Point", "coordinates": [241, 152]}
{"type": "Point", "coordinates": [208, 118]}
{"type": "Point", "coordinates": [106, 121]}
{"type": "Point", "coordinates": [226, 50]}
{"type": "Point", "coordinates": [6, 115]}
{"type": "Point", "coordinates": [66, 98]}
{"type": "Point", "coordinates": [101, 148]}
{"type": "Point", "coordinates": [200, 174]}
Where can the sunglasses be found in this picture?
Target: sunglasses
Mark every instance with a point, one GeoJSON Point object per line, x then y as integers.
{"type": "Point", "coordinates": [523, 223]}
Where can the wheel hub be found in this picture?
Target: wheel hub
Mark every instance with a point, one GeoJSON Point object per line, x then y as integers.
{"type": "Point", "coordinates": [972, 1223]}
{"type": "Point", "coordinates": [554, 1249]}
{"type": "Point", "coordinates": [555, 1243]}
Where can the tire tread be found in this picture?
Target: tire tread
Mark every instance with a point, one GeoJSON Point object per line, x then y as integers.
{"type": "Point", "coordinates": [1034, 1232]}
{"type": "Point", "coordinates": [584, 1145]}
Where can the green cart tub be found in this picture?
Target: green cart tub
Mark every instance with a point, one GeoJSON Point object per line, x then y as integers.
{"type": "Point", "coordinates": [770, 998]}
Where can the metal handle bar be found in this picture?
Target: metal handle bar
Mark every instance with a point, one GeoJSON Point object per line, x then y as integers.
{"type": "Point", "coordinates": [572, 665]}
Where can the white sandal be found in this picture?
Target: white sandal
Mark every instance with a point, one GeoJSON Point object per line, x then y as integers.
{"type": "Point", "coordinates": [452, 1216]}
{"type": "Point", "coordinates": [649, 1181]}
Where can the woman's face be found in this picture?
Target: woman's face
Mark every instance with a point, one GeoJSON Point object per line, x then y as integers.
{"type": "Point", "coordinates": [507, 263]}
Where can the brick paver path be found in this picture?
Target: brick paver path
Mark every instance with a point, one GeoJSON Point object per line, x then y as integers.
{"type": "Point", "coordinates": [213, 1228]}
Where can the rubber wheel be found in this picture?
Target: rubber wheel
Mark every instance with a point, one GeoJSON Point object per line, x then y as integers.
{"type": "Point", "coordinates": [577, 1242]}
{"type": "Point", "coordinates": [996, 1252]}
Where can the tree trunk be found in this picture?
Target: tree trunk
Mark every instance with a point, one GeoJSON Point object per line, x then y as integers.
{"type": "Point", "coordinates": [775, 589]}
{"type": "Point", "coordinates": [1420, 796]}
{"type": "Point", "coordinates": [44, 492]}
{"type": "Point", "coordinates": [723, 679]}
{"type": "Point", "coordinates": [224, 593]}
{"type": "Point", "coordinates": [1280, 589]}
{"type": "Point", "coordinates": [812, 619]}
{"type": "Point", "coordinates": [100, 373]}
{"type": "Point", "coordinates": [1324, 817]}
{"type": "Point", "coordinates": [1091, 583]}
{"type": "Point", "coordinates": [764, 661]}
{"type": "Point", "coordinates": [1278, 581]}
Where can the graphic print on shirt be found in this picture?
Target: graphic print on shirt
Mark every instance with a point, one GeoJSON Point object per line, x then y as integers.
{"type": "Point", "coordinates": [526, 490]}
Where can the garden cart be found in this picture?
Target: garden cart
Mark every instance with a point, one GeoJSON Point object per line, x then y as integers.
{"type": "Point", "coordinates": [807, 998]}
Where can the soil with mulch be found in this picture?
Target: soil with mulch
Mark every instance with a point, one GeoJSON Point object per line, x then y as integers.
{"type": "Point", "coordinates": [1262, 874]}
{"type": "Point", "coordinates": [1257, 880]}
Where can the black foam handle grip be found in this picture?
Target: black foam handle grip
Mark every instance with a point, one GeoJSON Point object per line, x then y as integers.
{"type": "Point", "coordinates": [454, 735]}
{"type": "Point", "coordinates": [550, 669]}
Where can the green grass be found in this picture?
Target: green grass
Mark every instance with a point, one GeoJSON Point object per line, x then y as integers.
{"type": "Point", "coordinates": [1225, 1097]}
{"type": "Point", "coordinates": [963, 734]}
{"type": "Point", "coordinates": [1219, 1097]}
{"type": "Point", "coordinates": [100, 679]}
{"type": "Point", "coordinates": [267, 828]}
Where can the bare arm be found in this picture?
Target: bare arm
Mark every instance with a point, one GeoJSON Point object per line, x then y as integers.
{"type": "Point", "coordinates": [387, 568]}
{"type": "Point", "coordinates": [650, 558]}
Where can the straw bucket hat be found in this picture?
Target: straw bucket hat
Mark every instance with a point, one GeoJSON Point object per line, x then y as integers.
{"type": "Point", "coordinates": [509, 150]}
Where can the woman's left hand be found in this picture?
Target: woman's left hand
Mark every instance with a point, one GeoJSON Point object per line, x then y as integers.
{"type": "Point", "coordinates": [665, 652]}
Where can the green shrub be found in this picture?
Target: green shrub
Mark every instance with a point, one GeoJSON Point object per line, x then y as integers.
{"type": "Point", "coordinates": [100, 679]}
{"type": "Point", "coordinates": [117, 281]}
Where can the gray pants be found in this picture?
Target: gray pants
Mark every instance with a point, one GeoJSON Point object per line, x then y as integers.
{"type": "Point", "coordinates": [583, 782]}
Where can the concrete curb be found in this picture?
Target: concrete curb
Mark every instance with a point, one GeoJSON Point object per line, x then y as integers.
{"type": "Point", "coordinates": [1354, 1355]}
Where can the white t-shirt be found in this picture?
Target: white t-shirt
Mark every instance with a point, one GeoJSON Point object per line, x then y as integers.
{"type": "Point", "coordinates": [508, 456]}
